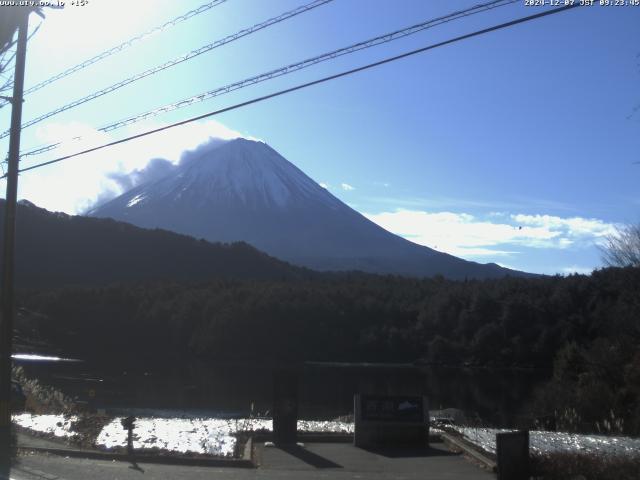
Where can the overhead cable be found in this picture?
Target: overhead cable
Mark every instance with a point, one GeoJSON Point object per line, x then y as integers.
{"type": "Point", "coordinates": [124, 45]}
{"type": "Point", "coordinates": [176, 61]}
{"type": "Point", "coordinates": [306, 85]}
{"type": "Point", "coordinates": [388, 37]}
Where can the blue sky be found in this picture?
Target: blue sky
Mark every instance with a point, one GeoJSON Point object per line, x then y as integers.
{"type": "Point", "coordinates": [516, 147]}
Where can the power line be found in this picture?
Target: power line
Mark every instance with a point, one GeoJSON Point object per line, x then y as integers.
{"type": "Point", "coordinates": [388, 37]}
{"type": "Point", "coordinates": [124, 45]}
{"type": "Point", "coordinates": [176, 61]}
{"type": "Point", "coordinates": [308, 84]}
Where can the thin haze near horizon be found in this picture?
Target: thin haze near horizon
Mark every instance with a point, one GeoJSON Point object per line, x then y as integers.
{"type": "Point", "coordinates": [519, 147]}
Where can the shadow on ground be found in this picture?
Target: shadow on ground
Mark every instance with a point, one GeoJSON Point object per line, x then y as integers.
{"type": "Point", "coordinates": [308, 457]}
{"type": "Point", "coordinates": [409, 452]}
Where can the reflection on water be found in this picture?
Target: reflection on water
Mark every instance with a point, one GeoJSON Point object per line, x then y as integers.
{"type": "Point", "coordinates": [31, 357]}
{"type": "Point", "coordinates": [325, 391]}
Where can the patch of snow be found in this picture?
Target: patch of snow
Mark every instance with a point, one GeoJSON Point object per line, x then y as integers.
{"type": "Point", "coordinates": [183, 435]}
{"type": "Point", "coordinates": [212, 436]}
{"type": "Point", "coordinates": [59, 425]}
{"type": "Point", "coordinates": [316, 426]}
{"type": "Point", "coordinates": [542, 442]}
{"type": "Point", "coordinates": [134, 200]}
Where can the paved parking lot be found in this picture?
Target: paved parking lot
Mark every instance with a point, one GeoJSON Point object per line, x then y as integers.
{"type": "Point", "coordinates": [313, 461]}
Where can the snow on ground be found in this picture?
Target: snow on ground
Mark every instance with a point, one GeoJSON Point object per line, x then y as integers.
{"type": "Point", "coordinates": [316, 426]}
{"type": "Point", "coordinates": [215, 436]}
{"type": "Point", "coordinates": [58, 425]}
{"type": "Point", "coordinates": [212, 436]}
{"type": "Point", "coordinates": [552, 442]}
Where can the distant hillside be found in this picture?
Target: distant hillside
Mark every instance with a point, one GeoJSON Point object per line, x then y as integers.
{"type": "Point", "coordinates": [56, 249]}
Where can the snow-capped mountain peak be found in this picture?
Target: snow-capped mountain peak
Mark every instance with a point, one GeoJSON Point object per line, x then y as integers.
{"type": "Point", "coordinates": [241, 171]}
{"type": "Point", "coordinates": [244, 190]}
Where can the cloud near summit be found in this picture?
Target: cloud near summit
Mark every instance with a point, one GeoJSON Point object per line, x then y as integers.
{"type": "Point", "coordinates": [80, 183]}
{"type": "Point", "coordinates": [183, 145]}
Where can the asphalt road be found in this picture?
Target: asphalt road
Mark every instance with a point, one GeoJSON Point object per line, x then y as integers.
{"type": "Point", "coordinates": [315, 461]}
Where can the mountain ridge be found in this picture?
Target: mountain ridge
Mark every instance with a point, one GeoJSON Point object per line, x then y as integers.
{"type": "Point", "coordinates": [54, 249]}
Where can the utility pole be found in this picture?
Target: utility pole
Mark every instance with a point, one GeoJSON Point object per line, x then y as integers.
{"type": "Point", "coordinates": [8, 307]}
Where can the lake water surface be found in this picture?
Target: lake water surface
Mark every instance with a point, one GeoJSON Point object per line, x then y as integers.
{"type": "Point", "coordinates": [493, 397]}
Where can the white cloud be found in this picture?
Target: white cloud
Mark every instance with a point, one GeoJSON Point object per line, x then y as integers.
{"type": "Point", "coordinates": [576, 269]}
{"type": "Point", "coordinates": [73, 185]}
{"type": "Point", "coordinates": [443, 203]}
{"type": "Point", "coordinates": [573, 227]}
{"type": "Point", "coordinates": [347, 187]}
{"type": "Point", "coordinates": [465, 235]}
{"type": "Point", "coordinates": [324, 185]}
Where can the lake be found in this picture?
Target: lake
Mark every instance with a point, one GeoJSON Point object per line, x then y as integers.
{"type": "Point", "coordinates": [492, 397]}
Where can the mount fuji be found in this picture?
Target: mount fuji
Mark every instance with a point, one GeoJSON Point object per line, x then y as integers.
{"type": "Point", "coordinates": [244, 190]}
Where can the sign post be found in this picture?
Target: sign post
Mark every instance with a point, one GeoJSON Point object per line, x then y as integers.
{"type": "Point", "coordinates": [512, 450]}
{"type": "Point", "coordinates": [285, 407]}
{"type": "Point", "coordinates": [391, 420]}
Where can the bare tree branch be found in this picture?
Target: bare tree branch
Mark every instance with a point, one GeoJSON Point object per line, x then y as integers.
{"type": "Point", "coordinates": [623, 248]}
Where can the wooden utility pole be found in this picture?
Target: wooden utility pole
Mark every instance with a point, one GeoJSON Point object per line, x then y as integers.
{"type": "Point", "coordinates": [8, 307]}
